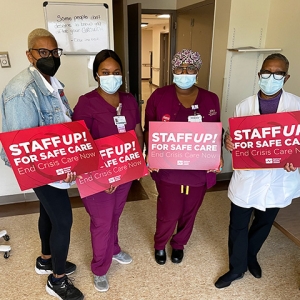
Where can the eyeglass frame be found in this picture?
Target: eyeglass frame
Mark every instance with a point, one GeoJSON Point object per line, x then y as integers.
{"type": "Point", "coordinates": [283, 74]}
{"type": "Point", "coordinates": [186, 68]}
{"type": "Point", "coordinates": [50, 52]}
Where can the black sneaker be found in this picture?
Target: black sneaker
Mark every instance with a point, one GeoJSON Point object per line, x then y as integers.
{"type": "Point", "coordinates": [41, 268]}
{"type": "Point", "coordinates": [63, 289]}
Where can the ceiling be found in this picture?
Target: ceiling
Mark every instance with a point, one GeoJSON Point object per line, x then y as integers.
{"type": "Point", "coordinates": [153, 20]}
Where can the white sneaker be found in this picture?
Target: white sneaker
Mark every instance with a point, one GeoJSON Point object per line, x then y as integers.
{"type": "Point", "coordinates": [122, 258]}
{"type": "Point", "coordinates": [101, 283]}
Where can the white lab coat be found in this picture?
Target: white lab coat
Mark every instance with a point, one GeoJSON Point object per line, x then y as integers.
{"type": "Point", "coordinates": [267, 188]}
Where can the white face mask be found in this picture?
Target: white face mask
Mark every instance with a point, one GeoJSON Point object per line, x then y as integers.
{"type": "Point", "coordinates": [184, 81]}
{"type": "Point", "coordinates": [110, 83]}
{"type": "Point", "coordinates": [270, 86]}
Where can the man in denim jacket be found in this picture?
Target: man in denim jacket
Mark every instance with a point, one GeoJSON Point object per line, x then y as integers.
{"type": "Point", "coordinates": [35, 98]}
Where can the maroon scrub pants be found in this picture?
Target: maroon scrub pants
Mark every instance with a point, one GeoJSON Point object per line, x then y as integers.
{"type": "Point", "coordinates": [176, 206]}
{"type": "Point", "coordinates": [105, 210]}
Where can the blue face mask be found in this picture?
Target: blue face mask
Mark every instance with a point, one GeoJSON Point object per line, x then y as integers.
{"type": "Point", "coordinates": [184, 81]}
{"type": "Point", "coordinates": [110, 83]}
{"type": "Point", "coordinates": [270, 86]}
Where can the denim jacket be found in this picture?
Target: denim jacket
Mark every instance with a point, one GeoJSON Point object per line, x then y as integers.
{"type": "Point", "coordinates": [26, 102]}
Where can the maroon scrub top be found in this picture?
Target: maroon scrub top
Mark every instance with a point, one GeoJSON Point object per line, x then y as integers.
{"type": "Point", "coordinates": [98, 114]}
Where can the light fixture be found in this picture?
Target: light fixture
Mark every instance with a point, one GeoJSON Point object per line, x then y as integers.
{"type": "Point", "coordinates": [144, 24]}
{"type": "Point", "coordinates": [165, 16]}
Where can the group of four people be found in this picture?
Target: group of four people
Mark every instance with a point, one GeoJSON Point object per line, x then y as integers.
{"type": "Point", "coordinates": [36, 98]}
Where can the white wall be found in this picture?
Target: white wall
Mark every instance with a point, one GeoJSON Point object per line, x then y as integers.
{"type": "Point", "coordinates": [283, 31]}
{"type": "Point", "coordinates": [247, 27]}
{"type": "Point", "coordinates": [146, 48]}
{"type": "Point", "coordinates": [155, 4]}
{"type": "Point", "coordinates": [184, 3]}
{"type": "Point", "coordinates": [157, 30]}
{"type": "Point", "coordinates": [219, 46]}
{"type": "Point", "coordinates": [27, 15]}
{"type": "Point", "coordinates": [265, 24]}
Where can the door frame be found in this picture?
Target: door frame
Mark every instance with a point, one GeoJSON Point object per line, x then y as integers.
{"type": "Point", "coordinates": [134, 15]}
{"type": "Point", "coordinates": [121, 38]}
{"type": "Point", "coordinates": [164, 54]}
{"type": "Point", "coordinates": [172, 30]}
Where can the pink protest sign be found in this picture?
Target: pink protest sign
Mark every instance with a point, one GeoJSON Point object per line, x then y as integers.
{"type": "Point", "coordinates": [121, 161]}
{"type": "Point", "coordinates": [45, 154]}
{"type": "Point", "coordinates": [266, 141]}
{"type": "Point", "coordinates": [184, 145]}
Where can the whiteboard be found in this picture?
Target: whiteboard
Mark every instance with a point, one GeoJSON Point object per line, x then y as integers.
{"type": "Point", "coordinates": [79, 28]}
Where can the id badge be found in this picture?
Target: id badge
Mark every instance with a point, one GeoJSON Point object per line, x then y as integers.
{"type": "Point", "coordinates": [120, 120]}
{"type": "Point", "coordinates": [195, 118]}
{"type": "Point", "coordinates": [121, 128]}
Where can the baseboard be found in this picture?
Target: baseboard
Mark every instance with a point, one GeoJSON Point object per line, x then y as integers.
{"type": "Point", "coordinates": [224, 176]}
{"type": "Point", "coordinates": [29, 197]}
{"type": "Point", "coordinates": [73, 192]}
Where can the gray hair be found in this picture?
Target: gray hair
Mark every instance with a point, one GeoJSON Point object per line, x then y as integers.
{"type": "Point", "coordinates": [278, 56]}
{"type": "Point", "coordinates": [38, 33]}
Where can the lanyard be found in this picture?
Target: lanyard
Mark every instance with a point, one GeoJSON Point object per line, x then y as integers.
{"type": "Point", "coordinates": [120, 121]}
{"type": "Point", "coordinates": [196, 117]}
{"type": "Point", "coordinates": [195, 109]}
{"type": "Point", "coordinates": [119, 109]}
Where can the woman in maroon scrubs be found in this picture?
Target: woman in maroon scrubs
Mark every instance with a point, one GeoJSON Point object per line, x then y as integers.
{"type": "Point", "coordinates": [180, 192]}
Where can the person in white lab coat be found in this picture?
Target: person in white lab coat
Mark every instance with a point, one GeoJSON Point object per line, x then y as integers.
{"type": "Point", "coordinates": [261, 192]}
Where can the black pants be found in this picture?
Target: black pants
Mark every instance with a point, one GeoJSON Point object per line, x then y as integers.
{"type": "Point", "coordinates": [244, 243]}
{"type": "Point", "coordinates": [55, 224]}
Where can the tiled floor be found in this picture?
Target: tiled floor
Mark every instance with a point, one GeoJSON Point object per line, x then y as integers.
{"type": "Point", "coordinates": [288, 221]}
{"type": "Point", "coordinates": [205, 258]}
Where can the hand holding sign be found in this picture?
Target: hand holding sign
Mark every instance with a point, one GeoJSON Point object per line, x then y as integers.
{"type": "Point", "coordinates": [219, 169]}
{"type": "Point", "coordinates": [148, 165]}
{"type": "Point", "coordinates": [71, 177]}
{"type": "Point", "coordinates": [229, 145]}
{"type": "Point", "coordinates": [289, 167]}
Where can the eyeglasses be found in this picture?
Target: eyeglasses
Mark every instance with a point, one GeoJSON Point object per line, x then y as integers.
{"type": "Point", "coordinates": [277, 75]}
{"type": "Point", "coordinates": [57, 52]}
{"type": "Point", "coordinates": [189, 70]}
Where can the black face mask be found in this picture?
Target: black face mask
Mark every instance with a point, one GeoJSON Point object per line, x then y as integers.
{"type": "Point", "coordinates": [49, 65]}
